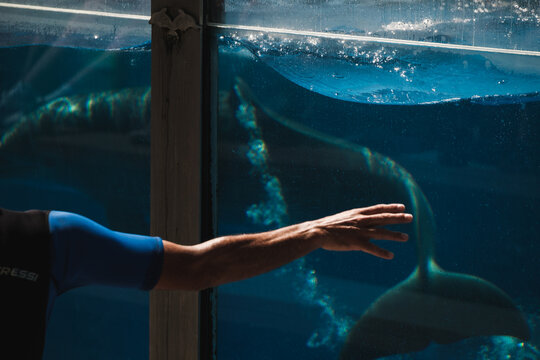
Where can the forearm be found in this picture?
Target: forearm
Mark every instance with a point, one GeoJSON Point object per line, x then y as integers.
{"type": "Point", "coordinates": [233, 258]}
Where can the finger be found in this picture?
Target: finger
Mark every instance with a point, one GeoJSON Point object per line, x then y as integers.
{"type": "Point", "coordinates": [375, 250]}
{"type": "Point", "coordinates": [383, 208]}
{"type": "Point", "coordinates": [385, 219]}
{"type": "Point", "coordinates": [384, 234]}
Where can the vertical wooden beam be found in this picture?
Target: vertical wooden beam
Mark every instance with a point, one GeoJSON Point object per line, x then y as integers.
{"type": "Point", "coordinates": [176, 173]}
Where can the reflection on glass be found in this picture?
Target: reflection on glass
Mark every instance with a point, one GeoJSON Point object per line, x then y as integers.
{"type": "Point", "coordinates": [310, 126]}
{"type": "Point", "coordinates": [141, 7]}
{"type": "Point", "coordinates": [88, 24]}
{"type": "Point", "coordinates": [499, 23]}
{"type": "Point", "coordinates": [74, 136]}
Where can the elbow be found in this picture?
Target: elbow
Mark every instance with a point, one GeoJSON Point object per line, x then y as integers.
{"type": "Point", "coordinates": [185, 268]}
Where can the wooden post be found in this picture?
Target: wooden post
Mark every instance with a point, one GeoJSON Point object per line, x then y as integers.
{"type": "Point", "coordinates": [176, 173]}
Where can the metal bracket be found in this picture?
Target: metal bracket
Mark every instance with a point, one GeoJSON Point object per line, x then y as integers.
{"type": "Point", "coordinates": [181, 23]}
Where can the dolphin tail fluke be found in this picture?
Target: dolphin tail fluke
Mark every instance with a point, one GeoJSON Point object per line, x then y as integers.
{"type": "Point", "coordinates": [447, 308]}
{"type": "Point", "coordinates": [432, 305]}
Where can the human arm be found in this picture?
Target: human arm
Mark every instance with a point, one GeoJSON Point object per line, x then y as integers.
{"type": "Point", "coordinates": [231, 258]}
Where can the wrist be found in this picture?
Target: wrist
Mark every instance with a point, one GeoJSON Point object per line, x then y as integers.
{"type": "Point", "coordinates": [312, 234]}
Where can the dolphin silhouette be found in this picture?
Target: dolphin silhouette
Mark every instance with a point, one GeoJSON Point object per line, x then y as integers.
{"type": "Point", "coordinates": [113, 111]}
{"type": "Point", "coordinates": [64, 141]}
{"type": "Point", "coordinates": [431, 305]}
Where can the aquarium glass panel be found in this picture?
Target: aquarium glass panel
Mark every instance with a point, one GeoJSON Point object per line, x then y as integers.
{"type": "Point", "coordinates": [90, 24]}
{"type": "Point", "coordinates": [74, 136]}
{"type": "Point", "coordinates": [498, 23]}
{"type": "Point", "coordinates": [127, 7]}
{"type": "Point", "coordinates": [313, 123]}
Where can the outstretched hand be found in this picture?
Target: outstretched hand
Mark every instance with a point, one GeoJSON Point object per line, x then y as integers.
{"type": "Point", "coordinates": [353, 229]}
{"type": "Point", "coordinates": [237, 257]}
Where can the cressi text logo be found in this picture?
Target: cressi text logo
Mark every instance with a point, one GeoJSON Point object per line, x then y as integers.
{"type": "Point", "coordinates": [18, 273]}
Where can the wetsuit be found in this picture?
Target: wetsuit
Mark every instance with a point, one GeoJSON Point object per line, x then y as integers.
{"type": "Point", "coordinates": [44, 254]}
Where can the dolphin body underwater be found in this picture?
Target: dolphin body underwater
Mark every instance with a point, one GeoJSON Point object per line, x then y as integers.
{"type": "Point", "coordinates": [431, 305]}
{"type": "Point", "coordinates": [115, 111]}
{"type": "Point", "coordinates": [75, 146]}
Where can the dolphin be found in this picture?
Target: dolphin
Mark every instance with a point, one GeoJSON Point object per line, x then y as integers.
{"type": "Point", "coordinates": [429, 306]}
{"type": "Point", "coordinates": [63, 142]}
{"type": "Point", "coordinates": [114, 110]}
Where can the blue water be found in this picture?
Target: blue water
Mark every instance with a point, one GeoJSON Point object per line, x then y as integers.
{"type": "Point", "coordinates": [394, 74]}
{"type": "Point", "coordinates": [471, 144]}
{"type": "Point", "coordinates": [74, 136]}
{"type": "Point", "coordinates": [472, 148]}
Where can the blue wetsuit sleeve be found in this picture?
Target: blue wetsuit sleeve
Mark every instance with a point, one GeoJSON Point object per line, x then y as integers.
{"type": "Point", "coordinates": [86, 253]}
